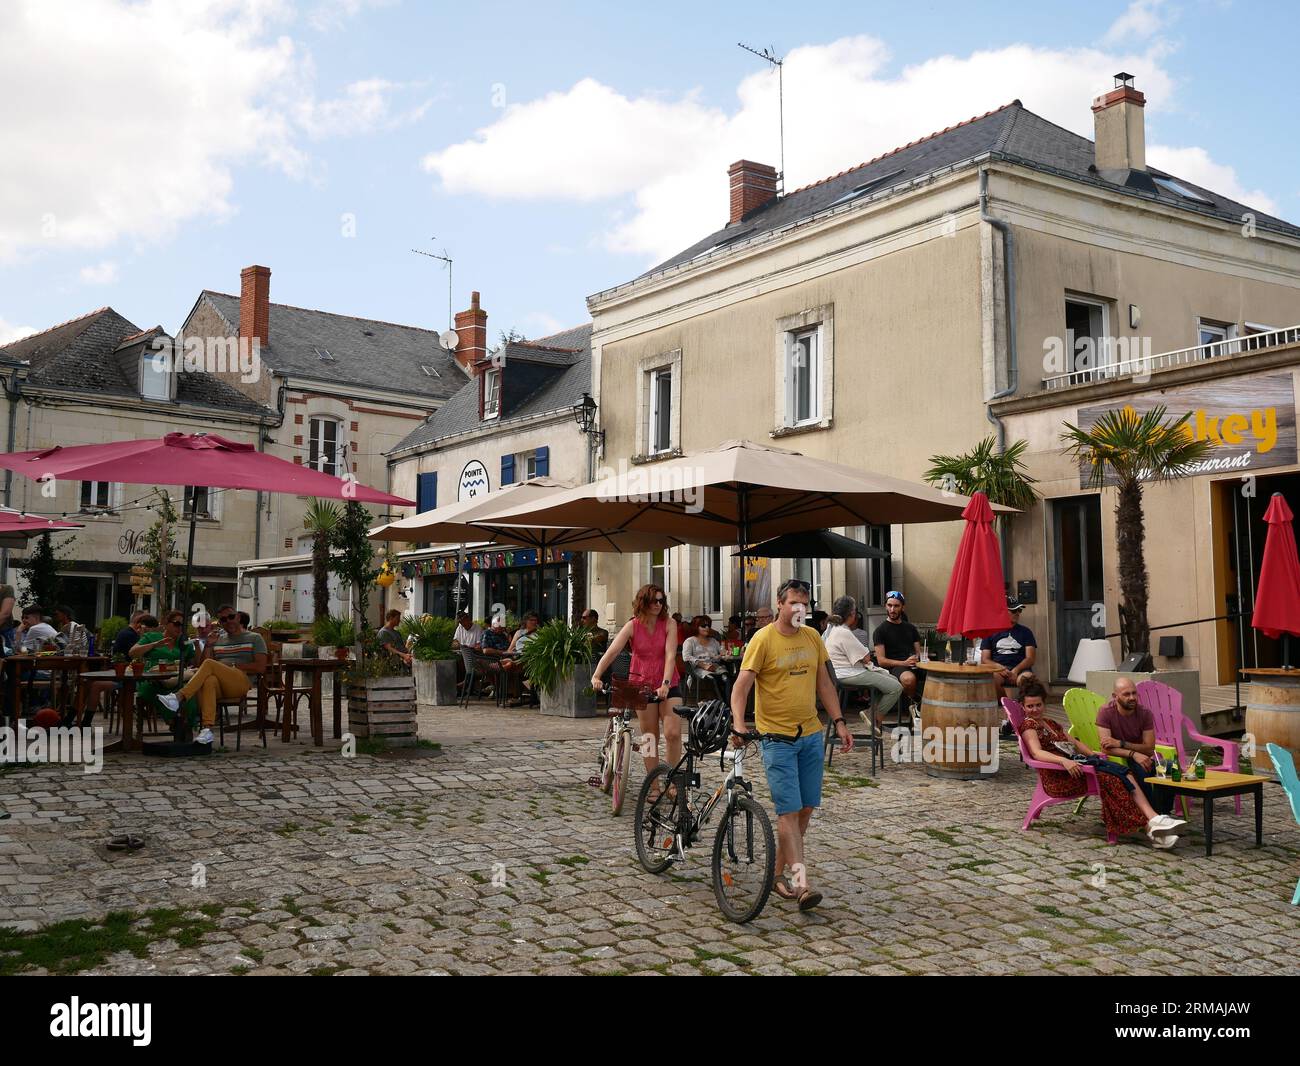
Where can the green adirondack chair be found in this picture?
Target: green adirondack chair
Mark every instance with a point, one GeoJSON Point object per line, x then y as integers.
{"type": "Point", "coordinates": [1081, 707]}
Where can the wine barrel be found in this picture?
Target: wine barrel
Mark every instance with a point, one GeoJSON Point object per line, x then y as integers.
{"type": "Point", "coordinates": [960, 717]}
{"type": "Point", "coordinates": [1273, 711]}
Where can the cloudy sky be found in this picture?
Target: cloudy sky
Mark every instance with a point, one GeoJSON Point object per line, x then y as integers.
{"type": "Point", "coordinates": [151, 149]}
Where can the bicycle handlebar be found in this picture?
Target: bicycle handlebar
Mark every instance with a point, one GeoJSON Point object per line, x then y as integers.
{"type": "Point", "coordinates": [753, 735]}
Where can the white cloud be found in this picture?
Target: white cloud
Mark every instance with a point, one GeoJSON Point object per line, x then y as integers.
{"type": "Point", "coordinates": [662, 161]}
{"type": "Point", "coordinates": [545, 324]}
{"type": "Point", "coordinates": [1141, 19]}
{"type": "Point", "coordinates": [364, 106]}
{"type": "Point", "coordinates": [100, 274]}
{"type": "Point", "coordinates": [125, 120]}
{"type": "Point", "coordinates": [9, 334]}
{"type": "Point", "coordinates": [1196, 166]}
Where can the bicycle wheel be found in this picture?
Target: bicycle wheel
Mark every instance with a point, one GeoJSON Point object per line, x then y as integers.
{"type": "Point", "coordinates": [607, 758]}
{"type": "Point", "coordinates": [744, 861]}
{"type": "Point", "coordinates": [622, 767]}
{"type": "Point", "coordinates": [656, 823]}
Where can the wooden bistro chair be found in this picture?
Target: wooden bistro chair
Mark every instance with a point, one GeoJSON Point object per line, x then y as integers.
{"type": "Point", "coordinates": [258, 694]}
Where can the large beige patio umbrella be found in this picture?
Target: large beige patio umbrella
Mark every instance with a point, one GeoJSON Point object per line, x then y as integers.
{"type": "Point", "coordinates": [738, 493]}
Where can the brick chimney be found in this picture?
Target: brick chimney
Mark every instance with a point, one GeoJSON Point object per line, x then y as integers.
{"type": "Point", "coordinates": [471, 329]}
{"type": "Point", "coordinates": [255, 305]}
{"type": "Point", "coordinates": [1121, 142]}
{"type": "Point", "coordinates": [752, 186]}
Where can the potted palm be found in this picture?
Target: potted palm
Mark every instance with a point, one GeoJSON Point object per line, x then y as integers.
{"type": "Point", "coordinates": [333, 636]}
{"type": "Point", "coordinates": [557, 661]}
{"type": "Point", "coordinates": [433, 660]}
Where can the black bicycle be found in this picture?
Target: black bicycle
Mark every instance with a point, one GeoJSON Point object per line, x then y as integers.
{"type": "Point", "coordinates": [671, 815]}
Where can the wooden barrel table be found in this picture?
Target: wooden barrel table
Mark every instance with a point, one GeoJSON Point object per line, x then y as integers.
{"type": "Point", "coordinates": [1273, 709]}
{"type": "Point", "coordinates": [960, 718]}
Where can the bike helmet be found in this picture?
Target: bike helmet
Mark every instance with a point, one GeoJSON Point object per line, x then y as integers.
{"type": "Point", "coordinates": [710, 727]}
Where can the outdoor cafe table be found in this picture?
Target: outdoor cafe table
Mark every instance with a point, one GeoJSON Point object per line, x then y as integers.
{"type": "Point", "coordinates": [126, 704]}
{"type": "Point", "coordinates": [60, 664]}
{"type": "Point", "coordinates": [313, 669]}
{"type": "Point", "coordinates": [1218, 783]}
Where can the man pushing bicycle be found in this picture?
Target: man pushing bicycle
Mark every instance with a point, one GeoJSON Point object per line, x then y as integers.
{"type": "Point", "coordinates": [787, 661]}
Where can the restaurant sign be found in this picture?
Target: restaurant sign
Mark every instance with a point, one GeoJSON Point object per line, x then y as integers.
{"type": "Point", "coordinates": [473, 481]}
{"type": "Point", "coordinates": [1249, 422]}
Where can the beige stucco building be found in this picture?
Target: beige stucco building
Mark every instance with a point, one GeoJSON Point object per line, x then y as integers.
{"type": "Point", "coordinates": [893, 312]}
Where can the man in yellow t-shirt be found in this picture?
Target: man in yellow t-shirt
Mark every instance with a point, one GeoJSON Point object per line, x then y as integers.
{"type": "Point", "coordinates": [787, 661]}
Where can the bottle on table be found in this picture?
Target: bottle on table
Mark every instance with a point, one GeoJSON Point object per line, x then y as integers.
{"type": "Point", "coordinates": [1175, 771]}
{"type": "Point", "coordinates": [947, 652]}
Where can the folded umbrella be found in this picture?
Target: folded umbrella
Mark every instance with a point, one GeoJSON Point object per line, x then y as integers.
{"type": "Point", "coordinates": [976, 603]}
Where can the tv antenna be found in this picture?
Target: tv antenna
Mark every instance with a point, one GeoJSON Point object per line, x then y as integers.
{"type": "Point", "coordinates": [448, 337]}
{"type": "Point", "coordinates": [769, 55]}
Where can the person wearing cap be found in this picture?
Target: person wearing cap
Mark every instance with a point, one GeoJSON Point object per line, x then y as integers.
{"type": "Point", "coordinates": [898, 645]}
{"type": "Point", "coordinates": [1014, 650]}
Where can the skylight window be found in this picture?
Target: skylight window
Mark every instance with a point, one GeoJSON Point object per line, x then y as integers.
{"type": "Point", "coordinates": [867, 187]}
{"type": "Point", "coordinates": [324, 356]}
{"type": "Point", "coordinates": [1181, 190]}
{"type": "Point", "coordinates": [430, 371]}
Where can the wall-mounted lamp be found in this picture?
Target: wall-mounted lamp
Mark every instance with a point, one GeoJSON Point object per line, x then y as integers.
{"type": "Point", "coordinates": [1134, 316]}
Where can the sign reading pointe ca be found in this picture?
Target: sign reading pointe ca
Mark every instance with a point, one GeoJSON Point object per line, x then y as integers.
{"type": "Point", "coordinates": [473, 481]}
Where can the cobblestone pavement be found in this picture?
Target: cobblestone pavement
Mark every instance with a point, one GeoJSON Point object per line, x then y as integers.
{"type": "Point", "coordinates": [296, 860]}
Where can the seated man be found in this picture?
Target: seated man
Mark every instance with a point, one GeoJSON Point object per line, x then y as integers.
{"type": "Point", "coordinates": [225, 668]}
{"type": "Point", "coordinates": [35, 634]}
{"type": "Point", "coordinates": [852, 661]}
{"type": "Point", "coordinates": [599, 637]}
{"type": "Point", "coordinates": [469, 634]}
{"type": "Point", "coordinates": [73, 638]}
{"type": "Point", "coordinates": [510, 661]}
{"type": "Point", "coordinates": [1128, 730]}
{"type": "Point", "coordinates": [898, 647]}
{"type": "Point", "coordinates": [1013, 650]}
{"type": "Point", "coordinates": [390, 640]}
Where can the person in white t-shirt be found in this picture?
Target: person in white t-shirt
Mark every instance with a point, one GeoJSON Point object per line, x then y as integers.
{"type": "Point", "coordinates": [851, 659]}
{"type": "Point", "coordinates": [469, 634]}
{"type": "Point", "coordinates": [35, 634]}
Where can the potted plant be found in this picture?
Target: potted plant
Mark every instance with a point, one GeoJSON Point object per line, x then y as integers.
{"type": "Point", "coordinates": [381, 696]}
{"type": "Point", "coordinates": [137, 667]}
{"type": "Point", "coordinates": [120, 664]}
{"type": "Point", "coordinates": [108, 632]}
{"type": "Point", "coordinates": [433, 658]}
{"type": "Point", "coordinates": [557, 660]}
{"type": "Point", "coordinates": [333, 635]}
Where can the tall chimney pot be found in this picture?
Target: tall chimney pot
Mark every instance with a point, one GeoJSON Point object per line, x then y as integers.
{"type": "Point", "coordinates": [1120, 127]}
{"type": "Point", "coordinates": [752, 186]}
{"type": "Point", "coordinates": [254, 306]}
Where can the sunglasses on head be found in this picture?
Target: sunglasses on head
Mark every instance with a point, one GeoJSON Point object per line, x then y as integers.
{"type": "Point", "coordinates": [894, 596]}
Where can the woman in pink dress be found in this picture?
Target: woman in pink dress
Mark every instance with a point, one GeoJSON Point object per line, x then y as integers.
{"type": "Point", "coordinates": [653, 636]}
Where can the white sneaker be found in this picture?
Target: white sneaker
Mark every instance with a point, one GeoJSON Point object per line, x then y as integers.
{"type": "Point", "coordinates": [171, 701]}
{"type": "Point", "coordinates": [1165, 823]}
{"type": "Point", "coordinates": [1164, 842]}
{"type": "Point", "coordinates": [204, 737]}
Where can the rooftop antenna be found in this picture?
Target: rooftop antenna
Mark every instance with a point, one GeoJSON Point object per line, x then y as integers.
{"type": "Point", "coordinates": [448, 337]}
{"type": "Point", "coordinates": [770, 56]}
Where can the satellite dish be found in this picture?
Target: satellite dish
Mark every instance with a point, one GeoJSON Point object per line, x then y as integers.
{"type": "Point", "coordinates": [448, 338]}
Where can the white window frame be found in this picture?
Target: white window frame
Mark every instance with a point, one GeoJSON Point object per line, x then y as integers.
{"type": "Point", "coordinates": [213, 497]}
{"type": "Point", "coordinates": [333, 466]}
{"type": "Point", "coordinates": [112, 491]}
{"type": "Point", "coordinates": [813, 337]}
{"type": "Point", "coordinates": [148, 374]}
{"type": "Point", "coordinates": [492, 393]}
{"type": "Point", "coordinates": [1104, 347]}
{"type": "Point", "coordinates": [526, 462]}
{"type": "Point", "coordinates": [652, 369]}
{"type": "Point", "coordinates": [660, 378]}
{"type": "Point", "coordinates": [1219, 331]}
{"type": "Point", "coordinates": [809, 570]}
{"type": "Point", "coordinates": [711, 580]}
{"type": "Point", "coordinates": [661, 574]}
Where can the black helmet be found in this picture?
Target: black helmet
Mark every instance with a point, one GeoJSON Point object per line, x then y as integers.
{"type": "Point", "coordinates": [710, 727]}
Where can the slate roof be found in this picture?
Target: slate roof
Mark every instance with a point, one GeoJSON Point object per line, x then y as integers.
{"type": "Point", "coordinates": [1011, 133]}
{"type": "Point", "coordinates": [373, 354]}
{"type": "Point", "coordinates": [568, 353]}
{"type": "Point", "coordinates": [81, 355]}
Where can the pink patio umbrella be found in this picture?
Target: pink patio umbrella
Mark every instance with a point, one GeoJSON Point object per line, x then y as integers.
{"type": "Point", "coordinates": [976, 605]}
{"type": "Point", "coordinates": [181, 459]}
{"type": "Point", "coordinates": [1277, 597]}
{"type": "Point", "coordinates": [16, 528]}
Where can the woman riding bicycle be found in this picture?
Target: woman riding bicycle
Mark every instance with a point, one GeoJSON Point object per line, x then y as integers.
{"type": "Point", "coordinates": [653, 636]}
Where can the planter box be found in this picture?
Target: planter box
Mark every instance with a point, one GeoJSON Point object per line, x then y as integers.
{"type": "Point", "coordinates": [568, 700]}
{"type": "Point", "coordinates": [435, 682]}
{"type": "Point", "coordinates": [1188, 682]}
{"type": "Point", "coordinates": [326, 651]}
{"type": "Point", "coordinates": [383, 707]}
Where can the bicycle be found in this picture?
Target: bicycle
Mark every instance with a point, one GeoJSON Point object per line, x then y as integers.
{"type": "Point", "coordinates": [743, 862]}
{"type": "Point", "coordinates": [621, 738]}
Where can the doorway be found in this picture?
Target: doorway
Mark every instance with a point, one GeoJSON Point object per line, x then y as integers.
{"type": "Point", "coordinates": [1076, 576]}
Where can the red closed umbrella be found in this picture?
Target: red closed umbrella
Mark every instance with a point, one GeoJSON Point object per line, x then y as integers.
{"type": "Point", "coordinates": [1277, 599]}
{"type": "Point", "coordinates": [976, 605]}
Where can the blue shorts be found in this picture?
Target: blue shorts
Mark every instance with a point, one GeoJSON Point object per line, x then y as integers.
{"type": "Point", "coordinates": [794, 772]}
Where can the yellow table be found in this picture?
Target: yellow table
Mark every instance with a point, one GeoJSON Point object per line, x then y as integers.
{"type": "Point", "coordinates": [1217, 783]}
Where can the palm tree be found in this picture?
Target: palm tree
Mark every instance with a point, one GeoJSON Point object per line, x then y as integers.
{"type": "Point", "coordinates": [321, 519]}
{"type": "Point", "coordinates": [1126, 449]}
{"type": "Point", "coordinates": [1001, 476]}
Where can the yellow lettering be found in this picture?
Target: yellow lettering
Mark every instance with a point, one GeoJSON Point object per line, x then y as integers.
{"type": "Point", "coordinates": [1263, 424]}
{"type": "Point", "coordinates": [1233, 427]}
{"type": "Point", "coordinates": [1207, 428]}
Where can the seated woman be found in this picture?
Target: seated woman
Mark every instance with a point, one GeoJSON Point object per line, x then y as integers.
{"type": "Point", "coordinates": [155, 648]}
{"type": "Point", "coordinates": [702, 653]}
{"type": "Point", "coordinates": [1123, 806]}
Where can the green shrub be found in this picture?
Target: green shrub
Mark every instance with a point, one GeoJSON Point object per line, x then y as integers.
{"type": "Point", "coordinates": [284, 627]}
{"type": "Point", "coordinates": [333, 631]}
{"type": "Point", "coordinates": [433, 636]}
{"type": "Point", "coordinates": [554, 650]}
{"type": "Point", "coordinates": [108, 632]}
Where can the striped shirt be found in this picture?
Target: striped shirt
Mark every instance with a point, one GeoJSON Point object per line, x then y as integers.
{"type": "Point", "coordinates": [239, 650]}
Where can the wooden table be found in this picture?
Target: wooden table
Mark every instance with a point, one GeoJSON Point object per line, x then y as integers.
{"type": "Point", "coordinates": [1218, 783]}
{"type": "Point", "coordinates": [61, 664]}
{"type": "Point", "coordinates": [314, 668]}
{"type": "Point", "coordinates": [126, 705]}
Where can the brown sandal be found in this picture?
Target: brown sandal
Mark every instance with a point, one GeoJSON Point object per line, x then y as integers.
{"type": "Point", "coordinates": [782, 888]}
{"type": "Point", "coordinates": [809, 898]}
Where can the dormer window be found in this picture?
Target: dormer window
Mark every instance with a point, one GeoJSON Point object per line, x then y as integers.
{"type": "Point", "coordinates": [156, 375]}
{"type": "Point", "coordinates": [492, 393]}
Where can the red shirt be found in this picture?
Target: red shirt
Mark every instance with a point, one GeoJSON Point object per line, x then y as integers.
{"type": "Point", "coordinates": [1126, 728]}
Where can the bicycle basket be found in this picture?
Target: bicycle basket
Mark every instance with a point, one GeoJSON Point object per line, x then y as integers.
{"type": "Point", "coordinates": [627, 695]}
{"type": "Point", "coordinates": [710, 727]}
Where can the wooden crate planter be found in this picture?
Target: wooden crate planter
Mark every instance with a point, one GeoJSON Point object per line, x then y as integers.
{"type": "Point", "coordinates": [383, 707]}
{"type": "Point", "coordinates": [435, 682]}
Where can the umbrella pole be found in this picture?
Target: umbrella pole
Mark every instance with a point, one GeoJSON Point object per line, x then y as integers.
{"type": "Point", "coordinates": [180, 727]}
{"type": "Point", "coordinates": [744, 553]}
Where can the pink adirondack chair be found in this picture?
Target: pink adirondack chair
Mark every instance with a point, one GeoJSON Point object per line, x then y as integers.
{"type": "Point", "coordinates": [1016, 716]}
{"type": "Point", "coordinates": [1166, 706]}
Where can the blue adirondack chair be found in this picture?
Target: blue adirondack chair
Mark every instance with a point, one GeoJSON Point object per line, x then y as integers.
{"type": "Point", "coordinates": [1284, 763]}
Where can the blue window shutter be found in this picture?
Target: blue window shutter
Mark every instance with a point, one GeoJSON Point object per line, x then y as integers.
{"type": "Point", "coordinates": [426, 492]}
{"type": "Point", "coordinates": [543, 459]}
{"type": "Point", "coordinates": [507, 470]}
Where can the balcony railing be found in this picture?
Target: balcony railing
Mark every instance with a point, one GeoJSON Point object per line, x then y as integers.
{"type": "Point", "coordinates": [1142, 366]}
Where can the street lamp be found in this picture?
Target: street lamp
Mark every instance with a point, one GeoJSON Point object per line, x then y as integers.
{"type": "Point", "coordinates": [584, 413]}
